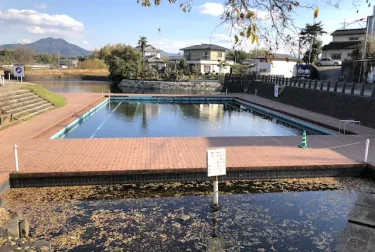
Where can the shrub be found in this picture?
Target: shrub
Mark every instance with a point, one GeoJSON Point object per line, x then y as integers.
{"type": "Point", "coordinates": [93, 64]}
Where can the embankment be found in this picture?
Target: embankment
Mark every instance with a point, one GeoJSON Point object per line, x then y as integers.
{"type": "Point", "coordinates": [187, 85]}
{"type": "Point", "coordinates": [66, 74]}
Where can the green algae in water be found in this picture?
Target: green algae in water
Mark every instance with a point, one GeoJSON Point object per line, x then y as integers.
{"type": "Point", "coordinates": [152, 218]}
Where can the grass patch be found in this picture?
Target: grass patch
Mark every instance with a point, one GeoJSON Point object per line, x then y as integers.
{"type": "Point", "coordinates": [55, 99]}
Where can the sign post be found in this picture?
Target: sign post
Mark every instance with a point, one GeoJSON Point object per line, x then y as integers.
{"type": "Point", "coordinates": [19, 71]}
{"type": "Point", "coordinates": [216, 166]}
{"type": "Point", "coordinates": [276, 90]}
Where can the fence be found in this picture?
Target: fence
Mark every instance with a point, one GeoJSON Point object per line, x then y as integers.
{"type": "Point", "coordinates": [242, 83]}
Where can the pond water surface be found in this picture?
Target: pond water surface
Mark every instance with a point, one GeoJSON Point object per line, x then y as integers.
{"type": "Point", "coordinates": [178, 216]}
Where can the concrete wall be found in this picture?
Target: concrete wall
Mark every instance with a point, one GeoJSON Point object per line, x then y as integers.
{"type": "Point", "coordinates": [338, 105]}
{"type": "Point", "coordinates": [344, 54]}
{"type": "Point", "coordinates": [194, 85]}
{"type": "Point", "coordinates": [215, 55]}
{"type": "Point", "coordinates": [277, 67]}
{"type": "Point", "coordinates": [346, 37]}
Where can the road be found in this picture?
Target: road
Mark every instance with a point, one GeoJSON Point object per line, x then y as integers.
{"type": "Point", "coordinates": [331, 73]}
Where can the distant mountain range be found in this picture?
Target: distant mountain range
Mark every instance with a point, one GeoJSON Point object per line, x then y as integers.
{"type": "Point", "coordinates": [52, 46]}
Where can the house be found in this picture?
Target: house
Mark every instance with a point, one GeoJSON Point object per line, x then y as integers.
{"type": "Point", "coordinates": [207, 58]}
{"type": "Point", "coordinates": [68, 63]}
{"type": "Point", "coordinates": [280, 64]}
{"type": "Point", "coordinates": [343, 43]}
{"type": "Point", "coordinates": [152, 57]}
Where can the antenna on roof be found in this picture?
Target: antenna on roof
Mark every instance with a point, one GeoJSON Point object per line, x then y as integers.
{"type": "Point", "coordinates": [210, 39]}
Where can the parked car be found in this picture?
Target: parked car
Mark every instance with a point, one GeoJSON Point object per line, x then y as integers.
{"type": "Point", "coordinates": [328, 62]}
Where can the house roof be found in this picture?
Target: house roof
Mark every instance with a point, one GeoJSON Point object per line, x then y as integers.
{"type": "Point", "coordinates": [205, 46]}
{"type": "Point", "coordinates": [349, 32]}
{"type": "Point", "coordinates": [153, 59]}
{"type": "Point", "coordinates": [148, 48]}
{"type": "Point", "coordinates": [279, 56]}
{"type": "Point", "coordinates": [341, 45]}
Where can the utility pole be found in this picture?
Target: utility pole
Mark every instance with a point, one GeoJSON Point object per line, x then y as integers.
{"type": "Point", "coordinates": [58, 59]}
{"type": "Point", "coordinates": [366, 37]}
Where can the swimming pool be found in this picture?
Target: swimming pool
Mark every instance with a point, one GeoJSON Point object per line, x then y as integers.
{"type": "Point", "coordinates": [145, 116]}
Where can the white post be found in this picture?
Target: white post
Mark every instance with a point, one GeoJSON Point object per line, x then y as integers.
{"type": "Point", "coordinates": [16, 157]}
{"type": "Point", "coordinates": [21, 78]}
{"type": "Point", "coordinates": [366, 150]}
{"type": "Point", "coordinates": [215, 199]}
{"type": "Point", "coordinates": [226, 91]}
{"type": "Point", "coordinates": [9, 76]}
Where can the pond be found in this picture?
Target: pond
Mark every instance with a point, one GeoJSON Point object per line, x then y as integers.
{"type": "Point", "coordinates": [272, 215]}
{"type": "Point", "coordinates": [103, 86]}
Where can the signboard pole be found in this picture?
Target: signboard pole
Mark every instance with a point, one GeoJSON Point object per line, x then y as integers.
{"type": "Point", "coordinates": [215, 199]}
{"type": "Point", "coordinates": [216, 166]}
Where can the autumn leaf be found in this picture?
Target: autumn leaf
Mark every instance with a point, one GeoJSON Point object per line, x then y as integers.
{"type": "Point", "coordinates": [316, 12]}
{"type": "Point", "coordinates": [235, 39]}
{"type": "Point", "coordinates": [287, 59]}
{"type": "Point", "coordinates": [252, 38]}
{"type": "Point", "coordinates": [248, 32]}
{"type": "Point", "coordinates": [257, 39]}
{"type": "Point", "coordinates": [249, 14]}
{"type": "Point", "coordinates": [242, 16]}
{"type": "Point", "coordinates": [242, 34]}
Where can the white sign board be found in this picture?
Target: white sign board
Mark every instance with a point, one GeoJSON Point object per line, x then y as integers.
{"type": "Point", "coordinates": [276, 90]}
{"type": "Point", "coordinates": [216, 162]}
{"type": "Point", "coordinates": [19, 71]}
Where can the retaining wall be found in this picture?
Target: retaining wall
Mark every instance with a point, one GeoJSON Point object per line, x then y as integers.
{"type": "Point", "coordinates": [338, 105]}
{"type": "Point", "coordinates": [191, 85]}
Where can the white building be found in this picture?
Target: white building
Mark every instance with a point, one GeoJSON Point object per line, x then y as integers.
{"type": "Point", "coordinates": [207, 58]}
{"type": "Point", "coordinates": [343, 43]}
{"type": "Point", "coordinates": [281, 64]}
{"type": "Point", "coordinates": [152, 57]}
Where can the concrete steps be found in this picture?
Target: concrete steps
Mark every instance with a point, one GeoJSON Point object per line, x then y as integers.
{"type": "Point", "coordinates": [22, 104]}
{"type": "Point", "coordinates": [33, 110]}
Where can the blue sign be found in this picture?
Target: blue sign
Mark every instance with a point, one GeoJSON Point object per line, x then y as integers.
{"type": "Point", "coordinates": [18, 69]}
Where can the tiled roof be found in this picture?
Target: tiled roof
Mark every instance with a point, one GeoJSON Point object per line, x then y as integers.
{"type": "Point", "coordinates": [148, 48]}
{"type": "Point", "coordinates": [205, 46]}
{"type": "Point", "coordinates": [349, 32]}
{"type": "Point", "coordinates": [341, 45]}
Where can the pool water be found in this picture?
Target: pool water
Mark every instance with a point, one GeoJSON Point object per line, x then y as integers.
{"type": "Point", "coordinates": [122, 118]}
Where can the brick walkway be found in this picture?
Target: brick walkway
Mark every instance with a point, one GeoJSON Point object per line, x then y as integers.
{"type": "Point", "coordinates": [38, 154]}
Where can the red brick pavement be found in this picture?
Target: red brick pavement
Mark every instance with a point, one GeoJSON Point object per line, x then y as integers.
{"type": "Point", "coordinates": [38, 154]}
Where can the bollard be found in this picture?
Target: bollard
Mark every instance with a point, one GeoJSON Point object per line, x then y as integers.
{"type": "Point", "coordinates": [335, 88]}
{"type": "Point", "coordinates": [16, 157]}
{"type": "Point", "coordinates": [366, 150]}
{"type": "Point", "coordinates": [328, 85]}
{"type": "Point", "coordinates": [215, 199]}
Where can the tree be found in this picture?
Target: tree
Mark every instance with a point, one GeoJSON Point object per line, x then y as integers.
{"type": "Point", "coordinates": [44, 58]}
{"type": "Point", "coordinates": [123, 62]}
{"type": "Point", "coordinates": [142, 42]}
{"type": "Point", "coordinates": [240, 69]}
{"type": "Point", "coordinates": [316, 50]}
{"type": "Point", "coordinates": [183, 64]}
{"type": "Point", "coordinates": [239, 55]}
{"type": "Point", "coordinates": [311, 31]}
{"type": "Point", "coordinates": [6, 57]}
{"type": "Point", "coordinates": [271, 22]}
{"type": "Point", "coordinates": [165, 58]}
{"type": "Point", "coordinates": [23, 55]}
{"type": "Point", "coordinates": [370, 50]}
{"type": "Point", "coordinates": [92, 64]}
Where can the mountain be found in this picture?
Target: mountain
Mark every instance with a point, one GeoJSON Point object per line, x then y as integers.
{"type": "Point", "coordinates": [52, 46]}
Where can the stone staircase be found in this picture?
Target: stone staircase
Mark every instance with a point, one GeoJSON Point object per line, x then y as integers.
{"type": "Point", "coordinates": [21, 104]}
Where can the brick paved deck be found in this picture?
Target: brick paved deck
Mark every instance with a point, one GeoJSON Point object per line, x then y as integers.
{"type": "Point", "coordinates": [40, 155]}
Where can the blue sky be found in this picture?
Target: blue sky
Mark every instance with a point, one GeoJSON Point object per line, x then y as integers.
{"type": "Point", "coordinates": [93, 23]}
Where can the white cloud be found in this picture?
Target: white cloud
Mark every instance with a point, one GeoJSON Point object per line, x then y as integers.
{"type": "Point", "coordinates": [42, 30]}
{"type": "Point", "coordinates": [41, 5]}
{"type": "Point", "coordinates": [85, 42]}
{"type": "Point", "coordinates": [24, 41]}
{"type": "Point", "coordinates": [213, 9]}
{"type": "Point", "coordinates": [42, 23]}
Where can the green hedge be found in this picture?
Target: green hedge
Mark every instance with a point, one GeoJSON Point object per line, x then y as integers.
{"type": "Point", "coordinates": [55, 99]}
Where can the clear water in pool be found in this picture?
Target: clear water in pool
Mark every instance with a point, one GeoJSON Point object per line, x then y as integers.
{"type": "Point", "coordinates": [121, 119]}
